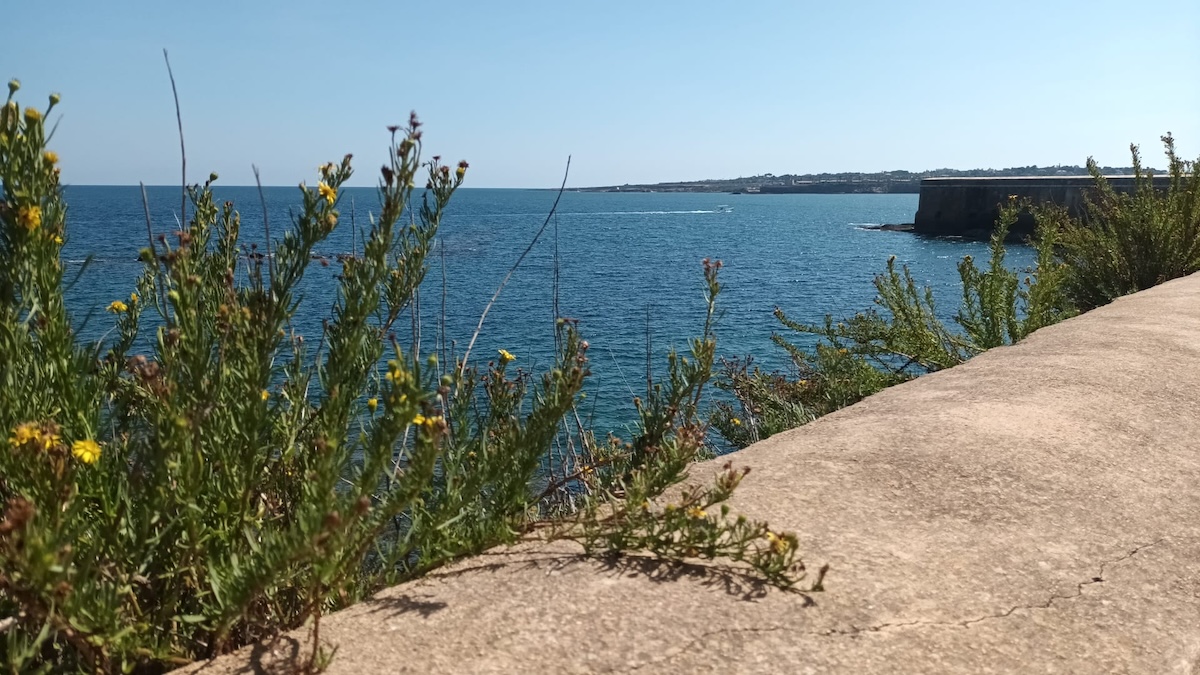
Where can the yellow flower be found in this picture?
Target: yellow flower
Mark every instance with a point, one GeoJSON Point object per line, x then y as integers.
{"type": "Point", "coordinates": [33, 433]}
{"type": "Point", "coordinates": [697, 513]}
{"type": "Point", "coordinates": [265, 394]}
{"type": "Point", "coordinates": [24, 433]}
{"type": "Point", "coordinates": [430, 423]}
{"type": "Point", "coordinates": [87, 451]}
{"type": "Point", "coordinates": [50, 156]}
{"type": "Point", "coordinates": [116, 307]}
{"type": "Point", "coordinates": [58, 240]}
{"type": "Point", "coordinates": [506, 356]}
{"type": "Point", "coordinates": [329, 193]}
{"type": "Point", "coordinates": [49, 440]}
{"type": "Point", "coordinates": [372, 404]}
{"type": "Point", "coordinates": [843, 351]}
{"type": "Point", "coordinates": [32, 115]}
{"type": "Point", "coordinates": [735, 422]}
{"type": "Point", "coordinates": [779, 544]}
{"type": "Point", "coordinates": [395, 375]}
{"type": "Point", "coordinates": [133, 298]}
{"type": "Point", "coordinates": [30, 217]}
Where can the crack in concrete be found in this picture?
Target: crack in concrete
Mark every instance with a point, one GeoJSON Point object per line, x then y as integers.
{"type": "Point", "coordinates": [855, 631]}
{"type": "Point", "coordinates": [1098, 579]}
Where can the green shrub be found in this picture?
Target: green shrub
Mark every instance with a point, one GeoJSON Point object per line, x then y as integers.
{"type": "Point", "coordinates": [900, 338]}
{"type": "Point", "coordinates": [1125, 243]}
{"type": "Point", "coordinates": [238, 480]}
{"type": "Point", "coordinates": [1131, 241]}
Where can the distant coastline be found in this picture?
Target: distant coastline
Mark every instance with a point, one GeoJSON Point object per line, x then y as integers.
{"type": "Point", "coordinates": [883, 182]}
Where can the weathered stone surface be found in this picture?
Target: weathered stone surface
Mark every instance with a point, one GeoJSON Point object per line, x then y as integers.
{"type": "Point", "coordinates": [1034, 510]}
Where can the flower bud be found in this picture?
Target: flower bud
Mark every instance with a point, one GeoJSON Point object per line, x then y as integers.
{"type": "Point", "coordinates": [13, 85]}
{"type": "Point", "coordinates": [54, 100]}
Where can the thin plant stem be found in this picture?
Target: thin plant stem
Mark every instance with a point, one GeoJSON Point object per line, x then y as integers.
{"type": "Point", "coordinates": [182, 150]}
{"type": "Point", "coordinates": [442, 318]}
{"type": "Point", "coordinates": [479, 327]}
{"type": "Point", "coordinates": [154, 254]}
{"type": "Point", "coordinates": [262, 199]}
{"type": "Point", "coordinates": [649, 357]}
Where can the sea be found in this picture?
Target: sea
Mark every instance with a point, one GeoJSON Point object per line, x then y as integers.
{"type": "Point", "coordinates": [628, 269]}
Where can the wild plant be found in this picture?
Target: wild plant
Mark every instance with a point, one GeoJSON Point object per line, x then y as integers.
{"type": "Point", "coordinates": [900, 338]}
{"type": "Point", "coordinates": [237, 478]}
{"type": "Point", "coordinates": [1130, 241]}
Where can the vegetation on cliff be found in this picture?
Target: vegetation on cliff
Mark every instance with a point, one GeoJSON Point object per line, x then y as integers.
{"type": "Point", "coordinates": [208, 476]}
{"type": "Point", "coordinates": [1128, 242]}
{"type": "Point", "coordinates": [237, 478]}
{"type": "Point", "coordinates": [1123, 244]}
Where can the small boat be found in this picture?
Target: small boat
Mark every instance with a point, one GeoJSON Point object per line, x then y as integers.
{"type": "Point", "coordinates": [724, 208]}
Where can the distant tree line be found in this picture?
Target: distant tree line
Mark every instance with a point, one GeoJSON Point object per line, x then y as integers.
{"type": "Point", "coordinates": [875, 178]}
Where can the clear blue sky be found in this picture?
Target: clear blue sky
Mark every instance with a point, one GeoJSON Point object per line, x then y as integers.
{"type": "Point", "coordinates": [635, 91]}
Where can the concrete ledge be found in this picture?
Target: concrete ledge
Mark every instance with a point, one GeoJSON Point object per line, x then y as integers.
{"type": "Point", "coordinates": [1034, 510]}
{"type": "Point", "coordinates": [969, 206]}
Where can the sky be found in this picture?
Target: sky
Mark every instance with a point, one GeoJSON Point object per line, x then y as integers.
{"type": "Point", "coordinates": [634, 92]}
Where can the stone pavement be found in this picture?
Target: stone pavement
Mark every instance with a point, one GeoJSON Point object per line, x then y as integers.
{"type": "Point", "coordinates": [1034, 510]}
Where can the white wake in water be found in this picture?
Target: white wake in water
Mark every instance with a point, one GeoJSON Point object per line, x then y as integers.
{"type": "Point", "coordinates": [642, 213]}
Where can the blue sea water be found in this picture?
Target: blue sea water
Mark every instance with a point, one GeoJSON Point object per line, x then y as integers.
{"type": "Point", "coordinates": [630, 263]}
